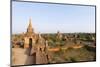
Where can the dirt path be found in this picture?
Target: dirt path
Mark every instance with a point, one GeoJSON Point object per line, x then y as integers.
{"type": "Point", "coordinates": [20, 57]}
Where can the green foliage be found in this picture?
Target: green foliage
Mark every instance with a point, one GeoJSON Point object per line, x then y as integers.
{"type": "Point", "coordinates": [90, 48]}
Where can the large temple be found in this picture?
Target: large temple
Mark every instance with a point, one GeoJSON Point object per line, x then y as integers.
{"type": "Point", "coordinates": [29, 37]}
{"type": "Point", "coordinates": [36, 44]}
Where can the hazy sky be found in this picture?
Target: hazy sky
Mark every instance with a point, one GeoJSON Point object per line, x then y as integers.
{"type": "Point", "coordinates": [49, 18]}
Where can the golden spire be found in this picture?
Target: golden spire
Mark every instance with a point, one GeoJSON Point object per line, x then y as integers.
{"type": "Point", "coordinates": [30, 23]}
{"type": "Point", "coordinates": [30, 29]}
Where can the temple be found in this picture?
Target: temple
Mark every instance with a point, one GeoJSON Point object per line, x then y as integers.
{"type": "Point", "coordinates": [36, 44]}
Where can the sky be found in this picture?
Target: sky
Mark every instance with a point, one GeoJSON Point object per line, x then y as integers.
{"type": "Point", "coordinates": [50, 18]}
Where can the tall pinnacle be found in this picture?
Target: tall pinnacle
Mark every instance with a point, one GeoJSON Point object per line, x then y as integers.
{"type": "Point", "coordinates": [30, 23]}
{"type": "Point", "coordinates": [30, 29]}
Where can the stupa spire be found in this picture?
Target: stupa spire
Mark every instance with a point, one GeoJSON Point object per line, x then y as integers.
{"type": "Point", "coordinates": [30, 29]}
{"type": "Point", "coordinates": [30, 23]}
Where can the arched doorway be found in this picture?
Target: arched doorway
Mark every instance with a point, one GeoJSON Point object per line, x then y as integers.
{"type": "Point", "coordinates": [30, 42]}
{"type": "Point", "coordinates": [30, 45]}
